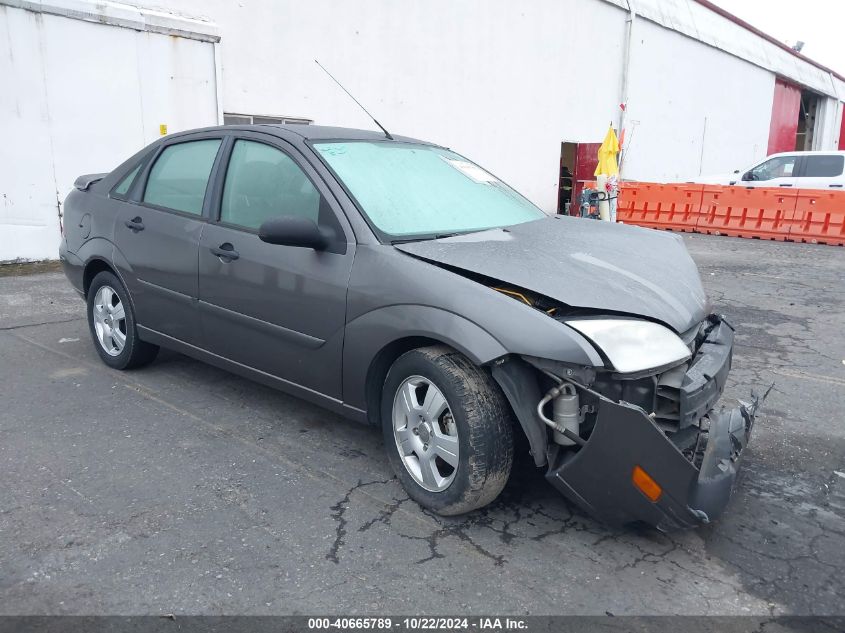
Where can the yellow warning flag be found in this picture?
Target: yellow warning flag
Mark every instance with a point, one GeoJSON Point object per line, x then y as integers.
{"type": "Point", "coordinates": [607, 155]}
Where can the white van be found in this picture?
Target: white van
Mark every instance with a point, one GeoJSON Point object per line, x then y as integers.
{"type": "Point", "coordinates": [802, 170]}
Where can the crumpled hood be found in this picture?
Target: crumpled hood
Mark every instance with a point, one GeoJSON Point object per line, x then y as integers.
{"type": "Point", "coordinates": [583, 263]}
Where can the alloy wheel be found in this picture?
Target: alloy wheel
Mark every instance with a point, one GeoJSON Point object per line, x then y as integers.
{"type": "Point", "coordinates": [426, 433]}
{"type": "Point", "coordinates": [109, 320]}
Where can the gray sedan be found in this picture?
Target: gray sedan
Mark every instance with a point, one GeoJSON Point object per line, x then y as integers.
{"type": "Point", "coordinates": [400, 284]}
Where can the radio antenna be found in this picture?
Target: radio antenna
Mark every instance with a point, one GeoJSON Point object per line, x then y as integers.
{"type": "Point", "coordinates": [383, 129]}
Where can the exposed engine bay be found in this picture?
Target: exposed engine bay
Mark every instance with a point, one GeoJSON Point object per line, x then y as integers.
{"type": "Point", "coordinates": [604, 430]}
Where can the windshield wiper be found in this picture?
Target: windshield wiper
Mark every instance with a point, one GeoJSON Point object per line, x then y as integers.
{"type": "Point", "coordinates": [437, 236]}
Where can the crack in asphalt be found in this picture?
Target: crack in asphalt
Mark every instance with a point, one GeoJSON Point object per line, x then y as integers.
{"type": "Point", "coordinates": [514, 519]}
{"type": "Point", "coordinates": [338, 511]}
{"type": "Point", "coordinates": [780, 542]}
{"type": "Point", "coordinates": [458, 530]}
{"type": "Point", "coordinates": [9, 328]}
{"type": "Point", "coordinates": [385, 517]}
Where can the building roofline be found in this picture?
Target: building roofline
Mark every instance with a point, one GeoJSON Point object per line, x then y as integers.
{"type": "Point", "coordinates": [123, 15]}
{"type": "Point", "coordinates": [753, 29]}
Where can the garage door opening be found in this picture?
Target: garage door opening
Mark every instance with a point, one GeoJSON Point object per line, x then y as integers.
{"type": "Point", "coordinates": [794, 113]}
{"type": "Point", "coordinates": [806, 121]}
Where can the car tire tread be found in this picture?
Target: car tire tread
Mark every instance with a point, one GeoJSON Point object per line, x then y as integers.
{"type": "Point", "coordinates": [485, 428]}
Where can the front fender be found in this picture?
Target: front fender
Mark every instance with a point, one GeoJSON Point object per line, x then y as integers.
{"type": "Point", "coordinates": [369, 333]}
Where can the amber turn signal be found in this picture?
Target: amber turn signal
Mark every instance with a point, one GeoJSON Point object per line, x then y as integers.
{"type": "Point", "coordinates": [645, 484]}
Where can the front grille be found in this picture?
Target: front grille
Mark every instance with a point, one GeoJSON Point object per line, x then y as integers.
{"type": "Point", "coordinates": [667, 405]}
{"type": "Point", "coordinates": [685, 394]}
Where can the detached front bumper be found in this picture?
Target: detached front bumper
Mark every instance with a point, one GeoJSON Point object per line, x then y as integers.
{"type": "Point", "coordinates": [599, 476]}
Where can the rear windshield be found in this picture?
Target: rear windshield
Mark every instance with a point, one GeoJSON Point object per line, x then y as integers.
{"type": "Point", "coordinates": [409, 189]}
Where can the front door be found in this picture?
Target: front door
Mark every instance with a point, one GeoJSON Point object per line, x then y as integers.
{"type": "Point", "coordinates": [277, 309]}
{"type": "Point", "coordinates": [778, 171]}
{"type": "Point", "coordinates": [157, 238]}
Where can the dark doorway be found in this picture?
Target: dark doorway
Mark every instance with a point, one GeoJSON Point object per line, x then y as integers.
{"type": "Point", "coordinates": [806, 121]}
{"type": "Point", "coordinates": [566, 183]}
{"type": "Point", "coordinates": [578, 163]}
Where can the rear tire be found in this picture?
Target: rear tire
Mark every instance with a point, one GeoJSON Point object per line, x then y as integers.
{"type": "Point", "coordinates": [474, 418]}
{"type": "Point", "coordinates": [111, 320]}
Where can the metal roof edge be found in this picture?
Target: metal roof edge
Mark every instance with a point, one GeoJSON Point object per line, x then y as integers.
{"type": "Point", "coordinates": [703, 21]}
{"type": "Point", "coordinates": [749, 27]}
{"type": "Point", "coordinates": [125, 16]}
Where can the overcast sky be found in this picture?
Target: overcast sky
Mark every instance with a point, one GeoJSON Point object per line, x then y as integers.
{"type": "Point", "coordinates": [819, 23]}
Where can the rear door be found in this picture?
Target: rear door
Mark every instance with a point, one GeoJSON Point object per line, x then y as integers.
{"type": "Point", "coordinates": [157, 235]}
{"type": "Point", "coordinates": [278, 309]}
{"type": "Point", "coordinates": [822, 171]}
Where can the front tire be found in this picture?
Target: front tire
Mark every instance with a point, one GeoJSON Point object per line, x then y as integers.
{"type": "Point", "coordinates": [447, 430]}
{"type": "Point", "coordinates": [111, 320]}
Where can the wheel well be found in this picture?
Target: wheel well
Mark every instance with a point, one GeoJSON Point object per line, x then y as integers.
{"type": "Point", "coordinates": [380, 365]}
{"type": "Point", "coordinates": [92, 269]}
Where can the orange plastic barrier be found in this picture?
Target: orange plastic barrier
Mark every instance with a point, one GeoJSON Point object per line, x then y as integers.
{"type": "Point", "coordinates": [800, 215]}
{"type": "Point", "coordinates": [819, 217]}
{"type": "Point", "coordinates": [673, 207]}
{"type": "Point", "coordinates": [763, 213]}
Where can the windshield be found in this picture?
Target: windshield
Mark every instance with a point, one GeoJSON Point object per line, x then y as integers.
{"type": "Point", "coordinates": [407, 189]}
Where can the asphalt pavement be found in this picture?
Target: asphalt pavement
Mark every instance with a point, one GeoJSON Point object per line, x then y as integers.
{"type": "Point", "coordinates": [183, 489]}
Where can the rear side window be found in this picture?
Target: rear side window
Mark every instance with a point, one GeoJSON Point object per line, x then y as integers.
{"type": "Point", "coordinates": [179, 176]}
{"type": "Point", "coordinates": [823, 166]}
{"type": "Point", "coordinates": [263, 182]}
{"type": "Point", "coordinates": [126, 183]}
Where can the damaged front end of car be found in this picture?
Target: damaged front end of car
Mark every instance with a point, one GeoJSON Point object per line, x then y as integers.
{"type": "Point", "coordinates": [640, 445]}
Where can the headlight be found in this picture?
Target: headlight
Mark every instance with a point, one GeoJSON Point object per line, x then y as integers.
{"type": "Point", "coordinates": [633, 345]}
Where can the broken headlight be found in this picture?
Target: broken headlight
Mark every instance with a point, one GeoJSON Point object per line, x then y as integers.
{"type": "Point", "coordinates": [632, 345]}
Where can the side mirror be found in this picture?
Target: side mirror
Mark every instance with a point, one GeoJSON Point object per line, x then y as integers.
{"type": "Point", "coordinates": [747, 176]}
{"type": "Point", "coordinates": [289, 230]}
{"type": "Point", "coordinates": [736, 171]}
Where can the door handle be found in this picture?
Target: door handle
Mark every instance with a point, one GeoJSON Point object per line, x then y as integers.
{"type": "Point", "coordinates": [784, 185]}
{"type": "Point", "coordinates": [136, 224]}
{"type": "Point", "coordinates": [840, 186]}
{"type": "Point", "coordinates": [226, 252]}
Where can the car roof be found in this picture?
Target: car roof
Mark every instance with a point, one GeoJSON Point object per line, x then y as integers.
{"type": "Point", "coordinates": [309, 132]}
{"type": "Point", "coordinates": [815, 152]}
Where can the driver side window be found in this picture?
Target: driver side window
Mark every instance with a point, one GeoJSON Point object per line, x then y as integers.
{"type": "Point", "coordinates": [263, 182]}
{"type": "Point", "coordinates": [779, 167]}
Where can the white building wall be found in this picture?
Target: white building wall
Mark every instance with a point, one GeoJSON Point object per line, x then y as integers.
{"type": "Point", "coordinates": [708, 114]}
{"type": "Point", "coordinates": [503, 82]}
{"type": "Point", "coordinates": [80, 97]}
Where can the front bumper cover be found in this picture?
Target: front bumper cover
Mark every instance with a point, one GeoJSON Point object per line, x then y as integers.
{"type": "Point", "coordinates": [598, 477]}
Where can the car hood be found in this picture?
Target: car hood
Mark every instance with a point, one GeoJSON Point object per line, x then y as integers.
{"type": "Point", "coordinates": [583, 263]}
